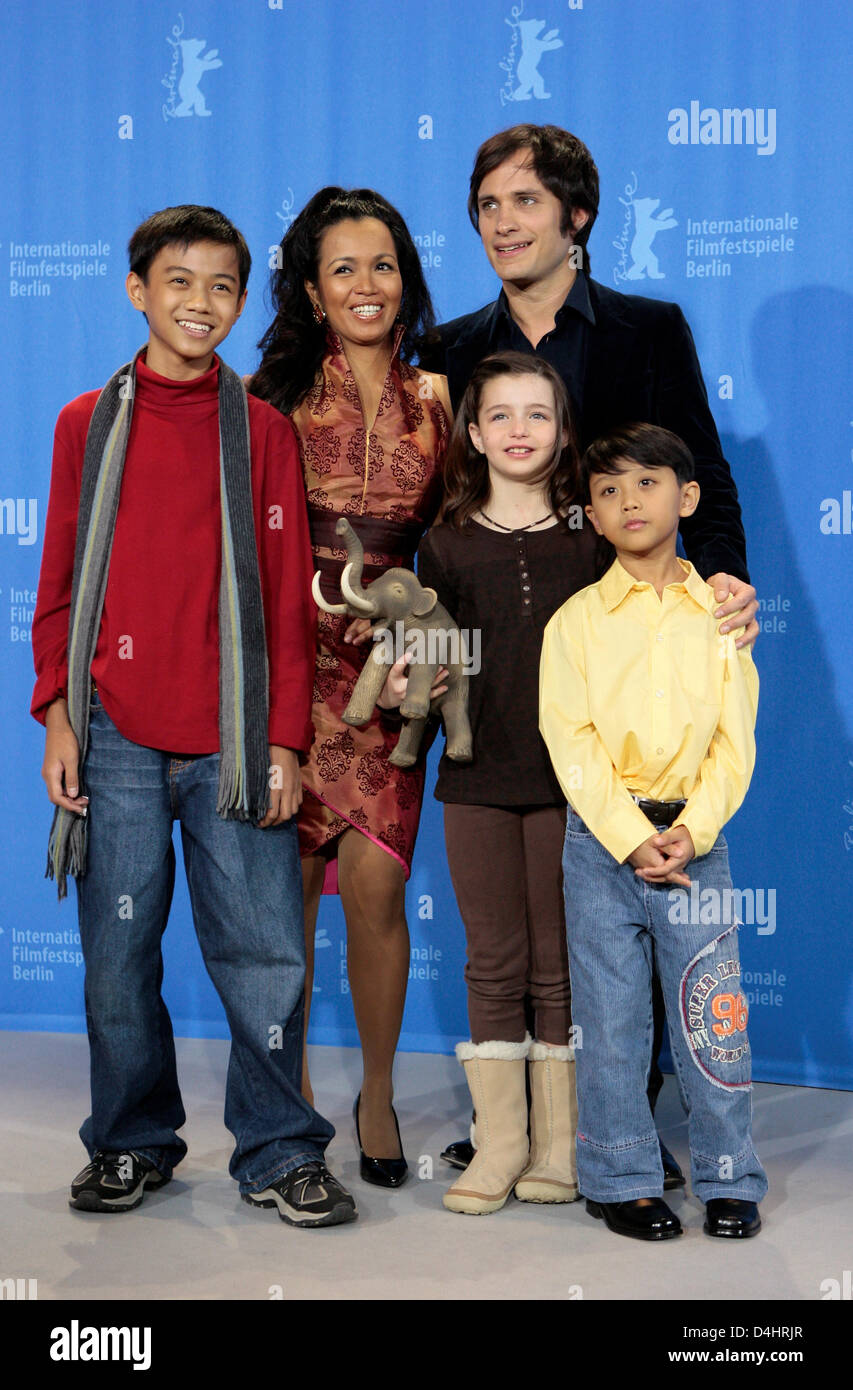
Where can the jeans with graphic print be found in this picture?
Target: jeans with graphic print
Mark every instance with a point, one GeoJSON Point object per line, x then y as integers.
{"type": "Point", "coordinates": [245, 889]}
{"type": "Point", "coordinates": [614, 921]}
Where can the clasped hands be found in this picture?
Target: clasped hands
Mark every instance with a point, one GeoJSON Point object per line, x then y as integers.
{"type": "Point", "coordinates": [663, 857]}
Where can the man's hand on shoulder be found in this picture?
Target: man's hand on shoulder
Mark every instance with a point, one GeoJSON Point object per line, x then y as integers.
{"type": "Point", "coordinates": [738, 605]}
{"type": "Point", "coordinates": [285, 786]}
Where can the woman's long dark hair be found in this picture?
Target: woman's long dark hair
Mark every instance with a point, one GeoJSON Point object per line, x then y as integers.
{"type": "Point", "coordinates": [294, 343]}
{"type": "Point", "coordinates": [466, 471]}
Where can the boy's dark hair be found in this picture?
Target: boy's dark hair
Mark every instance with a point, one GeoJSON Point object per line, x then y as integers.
{"type": "Point", "coordinates": [183, 226]}
{"type": "Point", "coordinates": [466, 471]}
{"type": "Point", "coordinates": [651, 446]}
{"type": "Point", "coordinates": [294, 344]}
{"type": "Point", "coordinates": [559, 160]}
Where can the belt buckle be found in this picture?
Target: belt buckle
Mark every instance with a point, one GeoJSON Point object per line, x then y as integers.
{"type": "Point", "coordinates": [672, 810]}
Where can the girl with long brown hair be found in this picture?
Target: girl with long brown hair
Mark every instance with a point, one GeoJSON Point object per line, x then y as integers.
{"type": "Point", "coordinates": [511, 547]}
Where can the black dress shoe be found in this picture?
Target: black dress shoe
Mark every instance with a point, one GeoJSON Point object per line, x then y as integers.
{"type": "Point", "coordinates": [732, 1217]}
{"type": "Point", "coordinates": [672, 1174]}
{"type": "Point", "coordinates": [382, 1172]}
{"type": "Point", "coordinates": [460, 1154]}
{"type": "Point", "coordinates": [647, 1218]}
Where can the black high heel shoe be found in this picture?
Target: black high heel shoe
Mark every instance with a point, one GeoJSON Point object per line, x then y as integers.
{"type": "Point", "coordinates": [382, 1172]}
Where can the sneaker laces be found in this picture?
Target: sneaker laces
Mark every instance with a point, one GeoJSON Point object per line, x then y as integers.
{"type": "Point", "coordinates": [310, 1175]}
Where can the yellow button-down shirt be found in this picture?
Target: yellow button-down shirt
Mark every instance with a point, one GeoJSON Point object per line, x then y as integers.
{"type": "Point", "coordinates": [640, 694]}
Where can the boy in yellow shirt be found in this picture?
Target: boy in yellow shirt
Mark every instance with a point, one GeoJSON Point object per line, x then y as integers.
{"type": "Point", "coordinates": [649, 716]}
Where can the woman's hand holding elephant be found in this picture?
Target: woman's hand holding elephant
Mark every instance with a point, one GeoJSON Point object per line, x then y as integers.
{"type": "Point", "coordinates": [359, 631]}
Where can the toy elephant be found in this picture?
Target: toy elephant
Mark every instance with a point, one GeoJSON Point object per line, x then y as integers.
{"type": "Point", "coordinates": [407, 616]}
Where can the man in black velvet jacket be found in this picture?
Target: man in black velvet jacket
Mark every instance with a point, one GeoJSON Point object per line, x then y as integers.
{"type": "Point", "coordinates": [533, 199]}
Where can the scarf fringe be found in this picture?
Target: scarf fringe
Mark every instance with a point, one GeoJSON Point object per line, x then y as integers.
{"type": "Point", "coordinates": [235, 801]}
{"type": "Point", "coordinates": [66, 849]}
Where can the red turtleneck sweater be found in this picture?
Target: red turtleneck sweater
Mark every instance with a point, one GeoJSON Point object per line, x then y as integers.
{"type": "Point", "coordinates": [157, 659]}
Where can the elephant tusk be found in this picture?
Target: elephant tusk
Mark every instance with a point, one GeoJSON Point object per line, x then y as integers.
{"type": "Point", "coordinates": [321, 602]}
{"type": "Point", "coordinates": [353, 598]}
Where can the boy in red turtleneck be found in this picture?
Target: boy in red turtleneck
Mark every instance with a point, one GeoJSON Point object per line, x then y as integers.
{"type": "Point", "coordinates": [170, 625]}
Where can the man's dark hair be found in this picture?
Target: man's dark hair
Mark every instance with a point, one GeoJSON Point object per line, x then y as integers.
{"type": "Point", "coordinates": [184, 226]}
{"type": "Point", "coordinates": [559, 160]}
{"type": "Point", "coordinates": [650, 446]}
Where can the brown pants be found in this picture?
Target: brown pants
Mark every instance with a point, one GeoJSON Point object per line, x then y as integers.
{"type": "Point", "coordinates": [506, 868]}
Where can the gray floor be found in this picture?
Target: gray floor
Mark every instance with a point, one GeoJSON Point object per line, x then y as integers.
{"type": "Point", "coordinates": [197, 1240]}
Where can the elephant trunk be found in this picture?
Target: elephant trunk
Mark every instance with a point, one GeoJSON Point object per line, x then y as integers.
{"type": "Point", "coordinates": [351, 577]}
{"type": "Point", "coordinates": [354, 547]}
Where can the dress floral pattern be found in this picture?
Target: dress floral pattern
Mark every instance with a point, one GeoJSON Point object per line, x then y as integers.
{"type": "Point", "coordinates": [389, 471]}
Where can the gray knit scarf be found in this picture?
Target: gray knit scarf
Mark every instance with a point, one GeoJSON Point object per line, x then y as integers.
{"type": "Point", "coordinates": [243, 673]}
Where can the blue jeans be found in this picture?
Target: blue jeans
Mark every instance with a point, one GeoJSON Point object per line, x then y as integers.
{"type": "Point", "coordinates": [245, 889]}
{"type": "Point", "coordinates": [612, 920]}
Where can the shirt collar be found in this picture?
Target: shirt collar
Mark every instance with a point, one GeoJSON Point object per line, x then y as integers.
{"type": "Point", "coordinates": [618, 583]}
{"type": "Point", "coordinates": [577, 300]}
{"type": "Point", "coordinates": [337, 349]}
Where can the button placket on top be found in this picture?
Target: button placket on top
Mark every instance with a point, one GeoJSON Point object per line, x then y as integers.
{"type": "Point", "coordinates": [658, 640]}
{"type": "Point", "coordinates": [660, 672]}
{"type": "Point", "coordinates": [524, 579]}
{"type": "Point", "coordinates": [659, 704]}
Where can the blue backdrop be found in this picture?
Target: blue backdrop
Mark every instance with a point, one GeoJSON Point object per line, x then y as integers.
{"type": "Point", "coordinates": [721, 131]}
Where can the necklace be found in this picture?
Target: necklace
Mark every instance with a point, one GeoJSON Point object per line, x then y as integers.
{"type": "Point", "coordinates": [501, 526]}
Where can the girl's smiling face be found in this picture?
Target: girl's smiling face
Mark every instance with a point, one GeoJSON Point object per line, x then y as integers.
{"type": "Point", "coordinates": [517, 428]}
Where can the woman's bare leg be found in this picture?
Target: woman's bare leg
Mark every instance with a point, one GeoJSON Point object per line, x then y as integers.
{"type": "Point", "coordinates": [372, 887]}
{"type": "Point", "coordinates": [313, 873]}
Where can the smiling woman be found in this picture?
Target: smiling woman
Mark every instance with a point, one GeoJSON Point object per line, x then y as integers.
{"type": "Point", "coordinates": [358, 280]}
{"type": "Point", "coordinates": [352, 304]}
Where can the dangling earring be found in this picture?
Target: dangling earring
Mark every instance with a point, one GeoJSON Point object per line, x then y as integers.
{"type": "Point", "coordinates": [319, 314]}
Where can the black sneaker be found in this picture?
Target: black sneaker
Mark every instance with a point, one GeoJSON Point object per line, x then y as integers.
{"type": "Point", "coordinates": [114, 1182]}
{"type": "Point", "coordinates": [307, 1196]}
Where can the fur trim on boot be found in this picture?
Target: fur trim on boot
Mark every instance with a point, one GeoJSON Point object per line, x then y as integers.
{"type": "Point", "coordinates": [541, 1052]}
{"type": "Point", "coordinates": [493, 1051]}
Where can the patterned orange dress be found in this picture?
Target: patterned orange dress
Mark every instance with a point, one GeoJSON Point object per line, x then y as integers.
{"type": "Point", "coordinates": [386, 481]}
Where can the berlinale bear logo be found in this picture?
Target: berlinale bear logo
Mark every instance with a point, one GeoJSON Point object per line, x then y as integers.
{"type": "Point", "coordinates": [642, 222]}
{"type": "Point", "coordinates": [185, 95]}
{"type": "Point", "coordinates": [524, 79]}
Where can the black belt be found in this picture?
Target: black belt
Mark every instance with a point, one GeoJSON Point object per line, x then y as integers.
{"type": "Point", "coordinates": [378, 534]}
{"type": "Point", "coordinates": [660, 812]}
{"type": "Point", "coordinates": [393, 542]}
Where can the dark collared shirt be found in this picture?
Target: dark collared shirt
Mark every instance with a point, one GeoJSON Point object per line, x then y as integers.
{"type": "Point", "coordinates": [565, 347]}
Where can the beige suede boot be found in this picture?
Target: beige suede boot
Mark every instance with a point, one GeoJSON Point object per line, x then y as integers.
{"type": "Point", "coordinates": [551, 1175]}
{"type": "Point", "coordinates": [495, 1072]}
